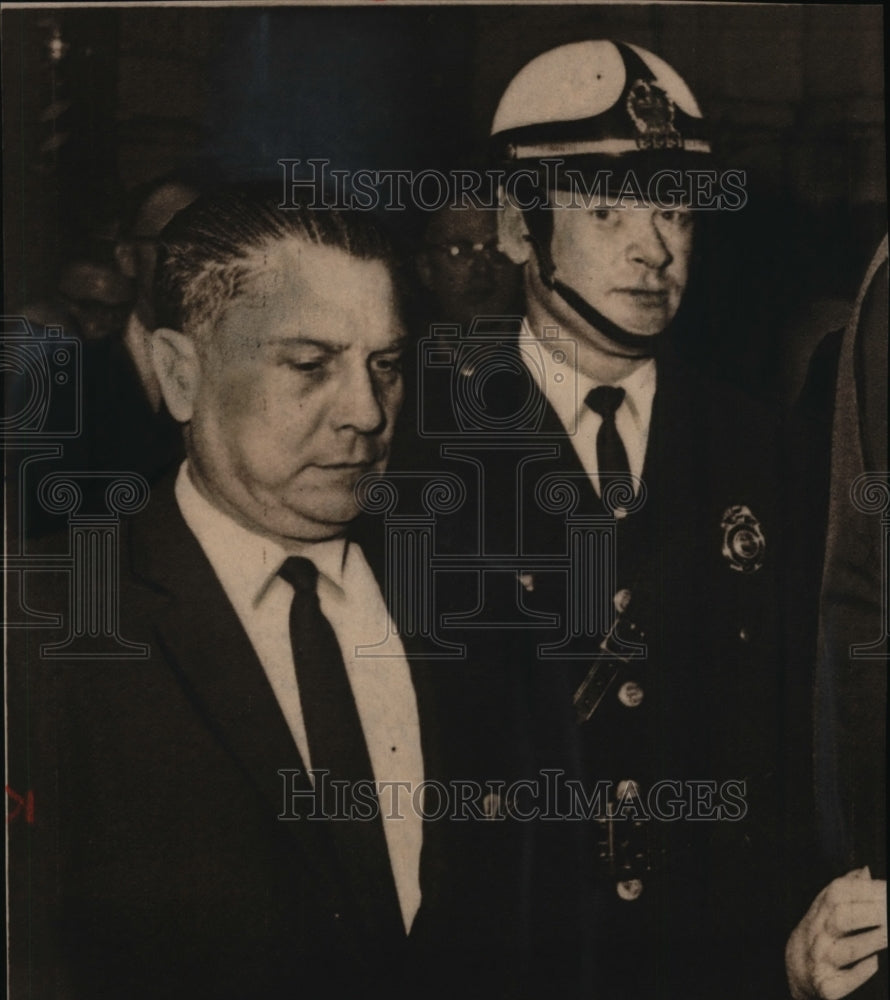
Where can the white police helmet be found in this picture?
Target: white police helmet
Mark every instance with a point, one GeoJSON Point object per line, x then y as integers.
{"type": "Point", "coordinates": [601, 108]}
{"type": "Point", "coordinates": [598, 99]}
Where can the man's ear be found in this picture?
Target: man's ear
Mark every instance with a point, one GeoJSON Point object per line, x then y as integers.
{"type": "Point", "coordinates": [178, 369]}
{"type": "Point", "coordinates": [513, 239]}
{"type": "Point", "coordinates": [126, 259]}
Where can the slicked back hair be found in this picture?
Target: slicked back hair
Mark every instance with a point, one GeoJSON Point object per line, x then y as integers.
{"type": "Point", "coordinates": [204, 253]}
{"type": "Point", "coordinates": [139, 197]}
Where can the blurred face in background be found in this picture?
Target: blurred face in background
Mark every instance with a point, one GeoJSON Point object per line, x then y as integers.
{"type": "Point", "coordinates": [97, 297]}
{"type": "Point", "coordinates": [137, 253]}
{"type": "Point", "coordinates": [461, 267]}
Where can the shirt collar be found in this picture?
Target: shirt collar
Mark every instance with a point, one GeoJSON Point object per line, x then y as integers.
{"type": "Point", "coordinates": [566, 389]}
{"type": "Point", "coordinates": [246, 561]}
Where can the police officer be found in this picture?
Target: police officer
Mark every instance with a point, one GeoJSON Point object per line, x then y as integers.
{"type": "Point", "coordinates": [623, 511]}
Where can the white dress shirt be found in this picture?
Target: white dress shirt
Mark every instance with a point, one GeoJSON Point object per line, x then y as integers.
{"type": "Point", "coordinates": [566, 389]}
{"type": "Point", "coordinates": [247, 566]}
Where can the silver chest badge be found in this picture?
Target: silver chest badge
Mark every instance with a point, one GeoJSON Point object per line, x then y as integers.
{"type": "Point", "coordinates": [743, 541]}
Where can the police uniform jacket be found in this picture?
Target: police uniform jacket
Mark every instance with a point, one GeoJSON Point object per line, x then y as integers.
{"type": "Point", "coordinates": [659, 904]}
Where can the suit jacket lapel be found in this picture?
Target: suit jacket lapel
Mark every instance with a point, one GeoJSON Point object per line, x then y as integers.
{"type": "Point", "coordinates": [205, 642]}
{"type": "Point", "coordinates": [674, 453]}
{"type": "Point", "coordinates": [211, 653]}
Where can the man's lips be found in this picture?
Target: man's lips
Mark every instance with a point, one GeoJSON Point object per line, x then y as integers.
{"type": "Point", "coordinates": [646, 296]}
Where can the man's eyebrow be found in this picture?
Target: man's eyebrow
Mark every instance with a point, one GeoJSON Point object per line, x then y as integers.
{"type": "Point", "coordinates": [396, 345]}
{"type": "Point", "coordinates": [333, 347]}
{"type": "Point", "coordinates": [322, 345]}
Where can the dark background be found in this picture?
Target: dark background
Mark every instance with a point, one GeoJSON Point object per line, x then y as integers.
{"type": "Point", "coordinates": [96, 101]}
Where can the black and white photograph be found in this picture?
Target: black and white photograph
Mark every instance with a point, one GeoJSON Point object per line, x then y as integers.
{"type": "Point", "coordinates": [447, 508]}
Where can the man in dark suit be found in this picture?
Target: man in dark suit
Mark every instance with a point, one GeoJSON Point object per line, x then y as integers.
{"type": "Point", "coordinates": [238, 810]}
{"type": "Point", "coordinates": [621, 557]}
{"type": "Point", "coordinates": [839, 947]}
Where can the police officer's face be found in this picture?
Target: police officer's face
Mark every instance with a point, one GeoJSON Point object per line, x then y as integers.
{"type": "Point", "coordinates": [631, 263]}
{"type": "Point", "coordinates": [297, 391]}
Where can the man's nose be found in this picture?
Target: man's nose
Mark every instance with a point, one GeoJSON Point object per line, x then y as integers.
{"type": "Point", "coordinates": [359, 406]}
{"type": "Point", "coordinates": [648, 246]}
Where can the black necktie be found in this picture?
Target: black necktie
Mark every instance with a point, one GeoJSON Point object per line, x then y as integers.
{"type": "Point", "coordinates": [611, 457]}
{"type": "Point", "coordinates": [336, 740]}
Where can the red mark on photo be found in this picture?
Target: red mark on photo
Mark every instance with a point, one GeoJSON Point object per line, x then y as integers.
{"type": "Point", "coordinates": [25, 805]}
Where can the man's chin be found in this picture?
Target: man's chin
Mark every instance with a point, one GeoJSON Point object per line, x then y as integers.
{"type": "Point", "coordinates": [310, 527]}
{"type": "Point", "coordinates": [323, 517]}
{"type": "Point", "coordinates": [645, 322]}
{"type": "Point", "coordinates": [649, 327]}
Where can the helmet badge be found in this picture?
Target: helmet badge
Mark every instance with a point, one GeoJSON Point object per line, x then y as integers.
{"type": "Point", "coordinates": [652, 112]}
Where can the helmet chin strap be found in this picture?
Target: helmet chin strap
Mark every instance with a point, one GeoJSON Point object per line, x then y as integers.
{"type": "Point", "coordinates": [639, 345]}
{"type": "Point", "coordinates": [635, 345]}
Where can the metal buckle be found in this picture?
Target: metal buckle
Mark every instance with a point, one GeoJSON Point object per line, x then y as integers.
{"type": "Point", "coordinates": [629, 848]}
{"type": "Point", "coordinates": [620, 642]}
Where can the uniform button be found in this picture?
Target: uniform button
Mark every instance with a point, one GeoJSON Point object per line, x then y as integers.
{"type": "Point", "coordinates": [621, 600]}
{"type": "Point", "coordinates": [627, 789]}
{"type": "Point", "coordinates": [630, 694]}
{"type": "Point", "coordinates": [631, 889]}
{"type": "Point", "coordinates": [336, 916]}
{"type": "Point", "coordinates": [743, 634]}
